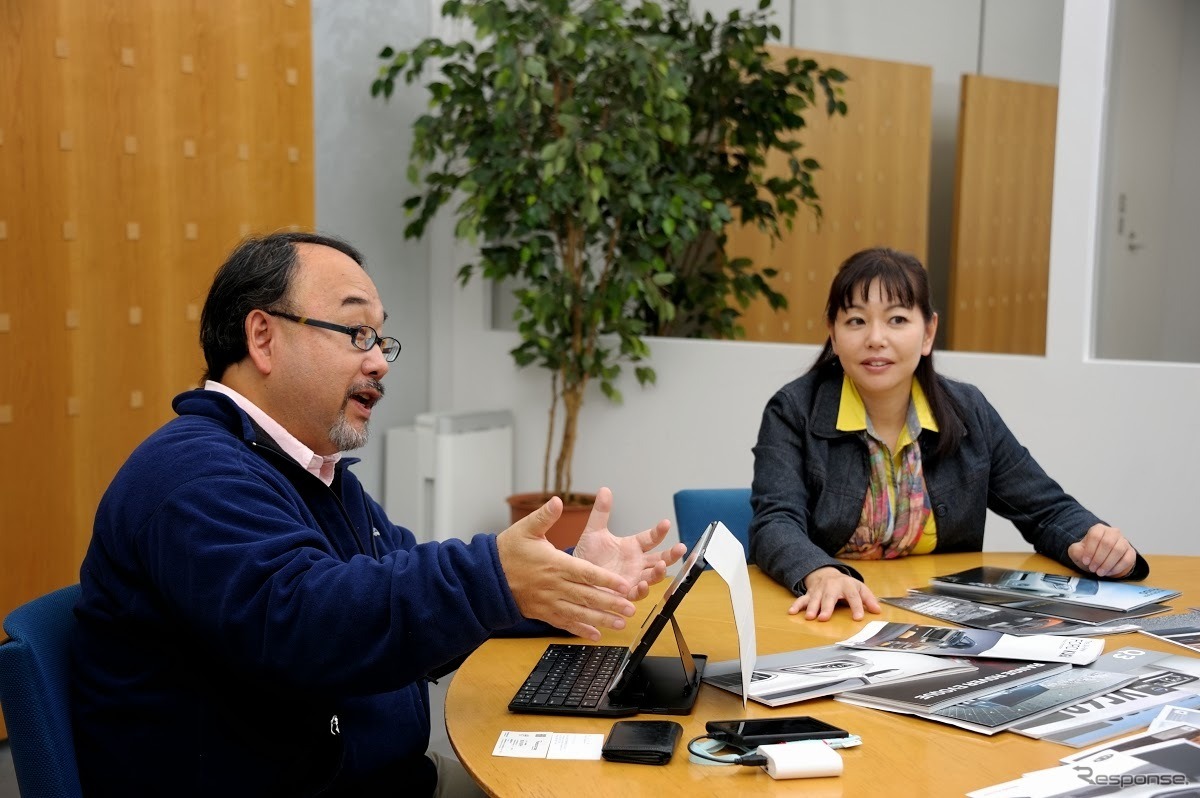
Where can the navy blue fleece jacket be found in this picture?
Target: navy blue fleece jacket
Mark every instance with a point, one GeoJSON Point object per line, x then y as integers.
{"type": "Point", "coordinates": [244, 631]}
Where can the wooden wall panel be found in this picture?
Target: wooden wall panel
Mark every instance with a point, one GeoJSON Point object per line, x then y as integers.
{"type": "Point", "coordinates": [1000, 240]}
{"type": "Point", "coordinates": [139, 141]}
{"type": "Point", "coordinates": [873, 184]}
{"type": "Point", "coordinates": [37, 522]}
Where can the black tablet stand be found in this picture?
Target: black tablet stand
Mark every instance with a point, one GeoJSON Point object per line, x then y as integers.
{"type": "Point", "coordinates": [664, 685]}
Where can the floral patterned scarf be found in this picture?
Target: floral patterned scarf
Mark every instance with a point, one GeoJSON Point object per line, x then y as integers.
{"type": "Point", "coordinates": [885, 531]}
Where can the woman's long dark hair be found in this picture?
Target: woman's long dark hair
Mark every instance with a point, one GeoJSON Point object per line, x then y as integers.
{"type": "Point", "coordinates": [903, 281]}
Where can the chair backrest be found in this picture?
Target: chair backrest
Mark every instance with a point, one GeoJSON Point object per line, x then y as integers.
{"type": "Point", "coordinates": [35, 688]}
{"type": "Point", "coordinates": [696, 508]}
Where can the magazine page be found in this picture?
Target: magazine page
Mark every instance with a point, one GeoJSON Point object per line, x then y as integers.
{"type": "Point", "coordinates": [1058, 609]}
{"type": "Point", "coordinates": [1045, 784]}
{"type": "Point", "coordinates": [780, 679]}
{"type": "Point", "coordinates": [999, 710]}
{"type": "Point", "coordinates": [947, 641]}
{"type": "Point", "coordinates": [1071, 589]}
{"type": "Point", "coordinates": [1175, 763]}
{"type": "Point", "coordinates": [1160, 679]}
{"type": "Point", "coordinates": [1131, 743]}
{"type": "Point", "coordinates": [1173, 716]}
{"type": "Point", "coordinates": [1182, 629]}
{"type": "Point", "coordinates": [1109, 715]}
{"type": "Point", "coordinates": [935, 692]}
{"type": "Point", "coordinates": [1171, 768]}
{"type": "Point", "coordinates": [1001, 619]}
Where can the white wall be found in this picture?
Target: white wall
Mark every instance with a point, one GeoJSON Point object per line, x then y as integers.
{"type": "Point", "coordinates": [362, 149]}
{"type": "Point", "coordinates": [1145, 84]}
{"type": "Point", "coordinates": [1149, 280]}
{"type": "Point", "coordinates": [1117, 435]}
{"type": "Point", "coordinates": [1013, 39]}
{"type": "Point", "coordinates": [1182, 338]}
{"type": "Point", "coordinates": [1021, 40]}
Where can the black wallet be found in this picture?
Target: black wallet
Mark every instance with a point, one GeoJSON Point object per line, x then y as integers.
{"type": "Point", "coordinates": [644, 742]}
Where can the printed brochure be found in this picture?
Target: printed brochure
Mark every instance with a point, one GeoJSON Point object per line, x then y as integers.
{"type": "Point", "coordinates": [1058, 609]}
{"type": "Point", "coordinates": [995, 712]}
{"type": "Point", "coordinates": [780, 679]}
{"type": "Point", "coordinates": [1160, 679]}
{"type": "Point", "coordinates": [1000, 619]}
{"type": "Point", "coordinates": [946, 641]}
{"type": "Point", "coordinates": [999, 695]}
{"type": "Point", "coordinates": [1163, 761]}
{"type": "Point", "coordinates": [1070, 589]}
{"type": "Point", "coordinates": [1159, 769]}
{"type": "Point", "coordinates": [937, 692]}
{"type": "Point", "coordinates": [1182, 629]}
{"type": "Point", "coordinates": [1135, 741]}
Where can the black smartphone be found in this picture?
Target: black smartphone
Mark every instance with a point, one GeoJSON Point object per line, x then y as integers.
{"type": "Point", "coordinates": [753, 732]}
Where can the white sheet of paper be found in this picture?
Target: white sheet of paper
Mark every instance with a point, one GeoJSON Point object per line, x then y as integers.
{"type": "Point", "coordinates": [1171, 715]}
{"type": "Point", "coordinates": [727, 557]}
{"type": "Point", "coordinates": [575, 746]}
{"type": "Point", "coordinates": [548, 745]}
{"type": "Point", "coordinates": [1038, 784]}
{"type": "Point", "coordinates": [528, 745]}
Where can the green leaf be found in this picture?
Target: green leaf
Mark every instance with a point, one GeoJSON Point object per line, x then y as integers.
{"type": "Point", "coordinates": [596, 153]}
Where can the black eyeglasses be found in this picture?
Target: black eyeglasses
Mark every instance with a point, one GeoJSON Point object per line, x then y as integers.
{"type": "Point", "coordinates": [362, 336]}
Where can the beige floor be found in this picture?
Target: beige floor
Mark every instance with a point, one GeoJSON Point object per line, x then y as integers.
{"type": "Point", "coordinates": [437, 741]}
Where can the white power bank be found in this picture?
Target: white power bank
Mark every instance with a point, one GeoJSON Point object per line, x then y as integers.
{"type": "Point", "coordinates": [802, 759]}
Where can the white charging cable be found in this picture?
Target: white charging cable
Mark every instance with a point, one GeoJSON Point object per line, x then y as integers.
{"type": "Point", "coordinates": [705, 753]}
{"type": "Point", "coordinates": [703, 750]}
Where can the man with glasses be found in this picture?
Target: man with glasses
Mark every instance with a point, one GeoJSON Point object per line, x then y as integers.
{"type": "Point", "coordinates": [251, 623]}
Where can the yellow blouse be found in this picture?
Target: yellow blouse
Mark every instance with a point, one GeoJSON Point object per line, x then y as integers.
{"type": "Point", "coordinates": [852, 417]}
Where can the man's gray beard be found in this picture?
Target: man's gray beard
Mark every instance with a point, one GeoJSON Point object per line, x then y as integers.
{"type": "Point", "coordinates": [345, 437]}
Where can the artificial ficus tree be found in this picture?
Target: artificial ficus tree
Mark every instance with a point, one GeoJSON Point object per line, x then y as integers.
{"type": "Point", "coordinates": [596, 152]}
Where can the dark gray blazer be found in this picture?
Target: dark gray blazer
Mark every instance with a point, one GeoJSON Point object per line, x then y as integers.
{"type": "Point", "coordinates": [810, 480]}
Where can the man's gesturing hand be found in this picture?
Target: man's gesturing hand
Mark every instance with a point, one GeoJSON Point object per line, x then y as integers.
{"type": "Point", "coordinates": [550, 585]}
{"type": "Point", "coordinates": [631, 557]}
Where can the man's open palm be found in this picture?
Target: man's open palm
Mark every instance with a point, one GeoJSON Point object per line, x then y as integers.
{"type": "Point", "coordinates": [632, 557]}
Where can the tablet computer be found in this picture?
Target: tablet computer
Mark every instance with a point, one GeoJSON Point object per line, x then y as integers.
{"type": "Point", "coordinates": [618, 680]}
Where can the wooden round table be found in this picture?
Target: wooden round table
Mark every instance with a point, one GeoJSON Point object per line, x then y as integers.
{"type": "Point", "coordinates": [900, 756]}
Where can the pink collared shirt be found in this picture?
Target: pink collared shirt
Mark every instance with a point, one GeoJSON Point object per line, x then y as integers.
{"type": "Point", "coordinates": [319, 466]}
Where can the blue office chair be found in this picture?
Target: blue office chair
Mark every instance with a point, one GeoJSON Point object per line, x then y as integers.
{"type": "Point", "coordinates": [35, 687]}
{"type": "Point", "coordinates": [696, 508]}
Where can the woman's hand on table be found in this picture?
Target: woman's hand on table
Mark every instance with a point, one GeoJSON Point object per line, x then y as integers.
{"type": "Point", "coordinates": [1104, 551]}
{"type": "Point", "coordinates": [825, 587]}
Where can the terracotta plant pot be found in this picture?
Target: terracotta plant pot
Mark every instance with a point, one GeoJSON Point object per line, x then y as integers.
{"type": "Point", "coordinates": [566, 531]}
